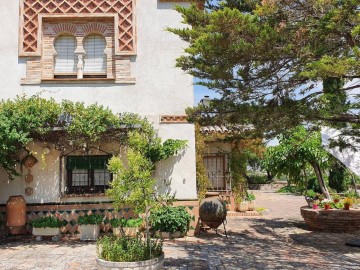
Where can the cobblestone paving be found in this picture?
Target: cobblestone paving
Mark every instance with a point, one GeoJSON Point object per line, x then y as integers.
{"type": "Point", "coordinates": [278, 240]}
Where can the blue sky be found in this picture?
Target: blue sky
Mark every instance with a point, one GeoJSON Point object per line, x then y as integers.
{"type": "Point", "coordinates": [201, 91]}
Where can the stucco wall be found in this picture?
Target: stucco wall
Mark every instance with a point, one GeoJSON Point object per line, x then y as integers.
{"type": "Point", "coordinates": [160, 88]}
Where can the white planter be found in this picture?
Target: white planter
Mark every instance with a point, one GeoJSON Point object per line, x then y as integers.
{"type": "Point", "coordinates": [251, 205]}
{"type": "Point", "coordinates": [128, 231]}
{"type": "Point", "coordinates": [243, 206]}
{"type": "Point", "coordinates": [46, 231]}
{"type": "Point", "coordinates": [89, 232]}
{"type": "Point", "coordinates": [169, 235]}
{"type": "Point", "coordinates": [153, 264]}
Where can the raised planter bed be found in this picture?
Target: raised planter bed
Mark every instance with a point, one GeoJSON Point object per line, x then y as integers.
{"type": "Point", "coordinates": [333, 220]}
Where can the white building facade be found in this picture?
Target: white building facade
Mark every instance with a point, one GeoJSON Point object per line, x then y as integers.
{"type": "Point", "coordinates": [116, 53]}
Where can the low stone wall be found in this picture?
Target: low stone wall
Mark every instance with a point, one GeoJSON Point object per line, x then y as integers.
{"type": "Point", "coordinates": [271, 186]}
{"type": "Point", "coordinates": [71, 212]}
{"type": "Point", "coordinates": [333, 220]}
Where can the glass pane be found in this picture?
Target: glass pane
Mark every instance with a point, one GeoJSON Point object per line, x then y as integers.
{"type": "Point", "coordinates": [101, 177]}
{"type": "Point", "coordinates": [80, 178]}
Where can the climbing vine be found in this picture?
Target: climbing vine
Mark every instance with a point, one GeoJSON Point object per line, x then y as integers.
{"type": "Point", "coordinates": [201, 177]}
{"type": "Point", "coordinates": [34, 118]}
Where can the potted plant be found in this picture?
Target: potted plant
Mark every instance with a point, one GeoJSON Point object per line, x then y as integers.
{"type": "Point", "coordinates": [326, 204]}
{"type": "Point", "coordinates": [315, 204]}
{"type": "Point", "coordinates": [336, 198]}
{"type": "Point", "coordinates": [347, 203]}
{"type": "Point", "coordinates": [242, 206]}
{"type": "Point", "coordinates": [126, 252]}
{"type": "Point", "coordinates": [170, 222]}
{"type": "Point", "coordinates": [46, 226]}
{"type": "Point", "coordinates": [251, 199]}
{"type": "Point", "coordinates": [126, 227]}
{"type": "Point", "coordinates": [89, 226]}
{"type": "Point", "coordinates": [320, 197]}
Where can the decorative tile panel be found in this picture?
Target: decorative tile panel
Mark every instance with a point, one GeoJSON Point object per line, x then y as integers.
{"type": "Point", "coordinates": [32, 10]}
{"type": "Point", "coordinates": [173, 119]}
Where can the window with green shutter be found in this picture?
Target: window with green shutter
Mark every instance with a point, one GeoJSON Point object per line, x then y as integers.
{"type": "Point", "coordinates": [87, 174]}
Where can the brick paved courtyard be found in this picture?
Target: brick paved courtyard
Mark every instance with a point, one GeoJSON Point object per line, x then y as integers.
{"type": "Point", "coordinates": [278, 240]}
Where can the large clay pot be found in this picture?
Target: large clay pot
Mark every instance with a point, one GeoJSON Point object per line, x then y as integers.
{"type": "Point", "coordinates": [16, 214]}
{"type": "Point", "coordinates": [212, 212]}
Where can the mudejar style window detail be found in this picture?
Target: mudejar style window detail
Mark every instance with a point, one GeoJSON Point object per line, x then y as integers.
{"type": "Point", "coordinates": [87, 174]}
{"type": "Point", "coordinates": [65, 59]}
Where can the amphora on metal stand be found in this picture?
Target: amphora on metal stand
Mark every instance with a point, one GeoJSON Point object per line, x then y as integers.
{"type": "Point", "coordinates": [212, 212]}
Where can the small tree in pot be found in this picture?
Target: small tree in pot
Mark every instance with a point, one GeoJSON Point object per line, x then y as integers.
{"type": "Point", "coordinates": [134, 186]}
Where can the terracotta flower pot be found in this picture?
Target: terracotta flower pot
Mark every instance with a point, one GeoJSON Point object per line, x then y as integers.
{"type": "Point", "coordinates": [336, 200]}
{"type": "Point", "coordinates": [346, 206]}
{"type": "Point", "coordinates": [327, 206]}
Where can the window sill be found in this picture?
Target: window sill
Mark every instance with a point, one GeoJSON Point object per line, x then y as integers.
{"type": "Point", "coordinates": [78, 81]}
{"type": "Point", "coordinates": [83, 195]}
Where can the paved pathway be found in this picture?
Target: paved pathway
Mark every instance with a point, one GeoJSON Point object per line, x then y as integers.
{"type": "Point", "coordinates": [278, 240]}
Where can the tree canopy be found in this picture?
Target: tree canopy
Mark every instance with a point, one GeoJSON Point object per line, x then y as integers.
{"type": "Point", "coordinates": [275, 64]}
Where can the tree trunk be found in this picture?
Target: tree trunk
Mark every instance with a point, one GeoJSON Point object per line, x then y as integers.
{"type": "Point", "coordinates": [269, 176]}
{"type": "Point", "coordinates": [321, 181]}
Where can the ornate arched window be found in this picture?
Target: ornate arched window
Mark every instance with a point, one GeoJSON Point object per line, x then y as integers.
{"type": "Point", "coordinates": [95, 57]}
{"type": "Point", "coordinates": [65, 59]}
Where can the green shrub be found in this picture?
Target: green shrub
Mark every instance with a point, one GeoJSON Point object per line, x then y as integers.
{"type": "Point", "coordinates": [313, 184]}
{"type": "Point", "coordinates": [170, 219]}
{"type": "Point", "coordinates": [250, 197]}
{"type": "Point", "coordinates": [258, 179]}
{"type": "Point", "coordinates": [122, 222]}
{"type": "Point", "coordinates": [311, 194]}
{"type": "Point", "coordinates": [90, 219]}
{"type": "Point", "coordinates": [337, 179]}
{"type": "Point", "coordinates": [290, 189]}
{"type": "Point", "coordinates": [50, 222]}
{"type": "Point", "coordinates": [128, 249]}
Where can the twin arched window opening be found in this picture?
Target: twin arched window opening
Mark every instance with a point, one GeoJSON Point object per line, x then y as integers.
{"type": "Point", "coordinates": [92, 63]}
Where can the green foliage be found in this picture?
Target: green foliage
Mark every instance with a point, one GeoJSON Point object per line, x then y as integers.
{"type": "Point", "coordinates": [258, 179]}
{"type": "Point", "coordinates": [123, 222]}
{"type": "Point", "coordinates": [91, 219]}
{"type": "Point", "coordinates": [337, 179]}
{"type": "Point", "coordinates": [50, 222]}
{"type": "Point", "coordinates": [250, 197]}
{"type": "Point", "coordinates": [238, 166]}
{"type": "Point", "coordinates": [338, 205]}
{"type": "Point", "coordinates": [290, 189]}
{"type": "Point", "coordinates": [202, 180]}
{"type": "Point", "coordinates": [299, 151]}
{"type": "Point", "coordinates": [128, 249]}
{"type": "Point", "coordinates": [170, 219]}
{"type": "Point", "coordinates": [19, 120]}
{"type": "Point", "coordinates": [269, 59]}
{"type": "Point", "coordinates": [313, 184]}
{"type": "Point", "coordinates": [311, 194]}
